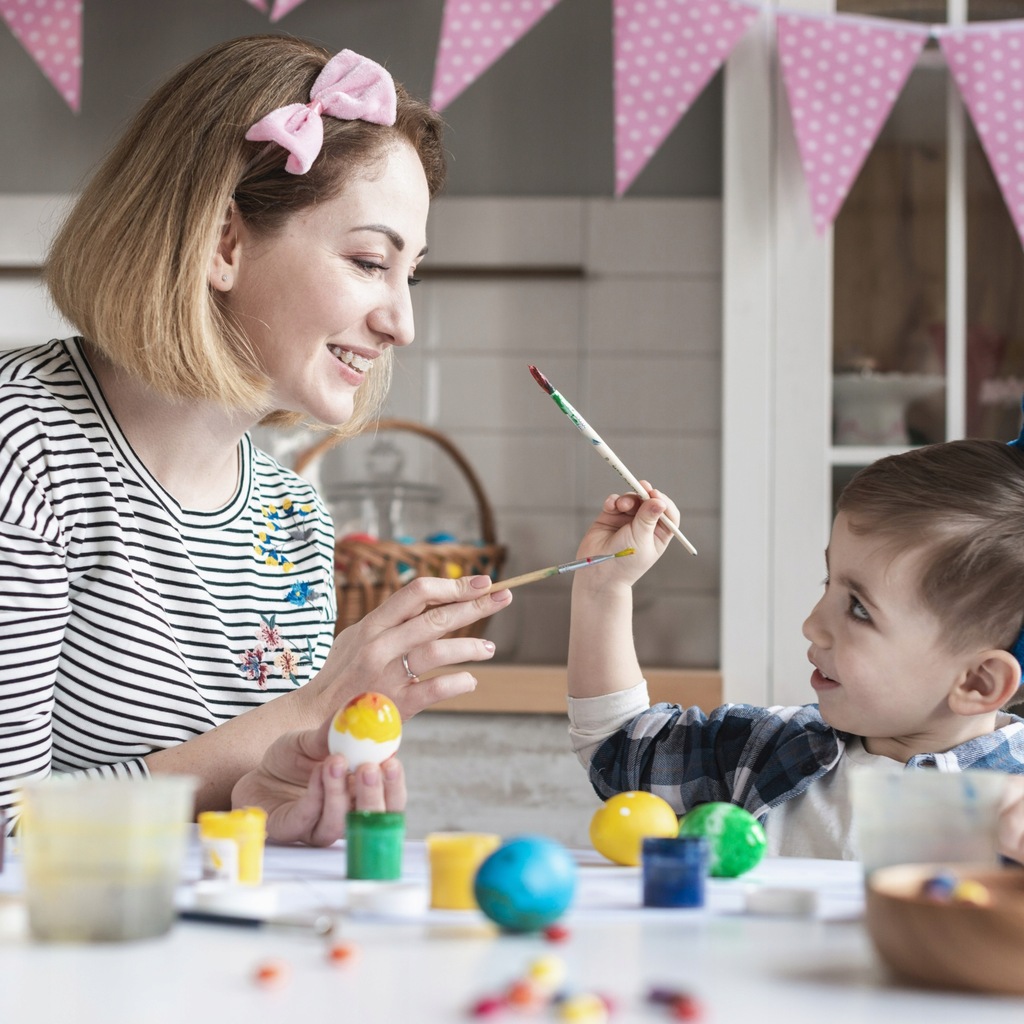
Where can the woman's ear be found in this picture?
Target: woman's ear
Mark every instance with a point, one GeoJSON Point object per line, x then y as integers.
{"type": "Point", "coordinates": [987, 684]}
{"type": "Point", "coordinates": [227, 255]}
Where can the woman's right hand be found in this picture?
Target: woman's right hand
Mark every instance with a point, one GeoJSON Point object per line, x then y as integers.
{"type": "Point", "coordinates": [413, 622]}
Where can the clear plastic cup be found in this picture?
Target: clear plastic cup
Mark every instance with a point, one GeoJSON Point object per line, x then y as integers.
{"type": "Point", "coordinates": [102, 857]}
{"type": "Point", "coordinates": [925, 816]}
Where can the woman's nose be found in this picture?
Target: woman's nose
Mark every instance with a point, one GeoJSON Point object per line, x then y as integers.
{"type": "Point", "coordinates": [394, 317]}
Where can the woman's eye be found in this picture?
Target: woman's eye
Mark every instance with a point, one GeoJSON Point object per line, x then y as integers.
{"type": "Point", "coordinates": [413, 281]}
{"type": "Point", "coordinates": [368, 266]}
{"type": "Point", "coordinates": [858, 611]}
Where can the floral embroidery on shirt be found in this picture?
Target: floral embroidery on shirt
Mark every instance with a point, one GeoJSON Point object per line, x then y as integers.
{"type": "Point", "coordinates": [253, 666]}
{"type": "Point", "coordinates": [282, 527]}
{"type": "Point", "coordinates": [286, 660]}
{"type": "Point", "coordinates": [304, 592]}
{"type": "Point", "coordinates": [269, 634]}
{"type": "Point", "coordinates": [286, 663]}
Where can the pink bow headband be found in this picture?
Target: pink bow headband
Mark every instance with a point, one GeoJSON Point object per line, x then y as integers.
{"type": "Point", "coordinates": [350, 88]}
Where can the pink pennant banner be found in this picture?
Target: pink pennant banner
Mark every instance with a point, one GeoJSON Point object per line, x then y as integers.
{"type": "Point", "coordinates": [842, 77]}
{"type": "Point", "coordinates": [987, 63]}
{"type": "Point", "coordinates": [283, 7]}
{"type": "Point", "coordinates": [51, 32]}
{"type": "Point", "coordinates": [260, 5]}
{"type": "Point", "coordinates": [665, 52]}
{"type": "Point", "coordinates": [474, 34]}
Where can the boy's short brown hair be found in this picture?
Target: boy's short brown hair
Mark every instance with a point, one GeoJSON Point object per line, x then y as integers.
{"type": "Point", "coordinates": [963, 502]}
{"type": "Point", "coordinates": [129, 266]}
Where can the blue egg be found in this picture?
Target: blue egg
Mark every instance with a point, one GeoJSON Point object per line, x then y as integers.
{"type": "Point", "coordinates": [526, 884]}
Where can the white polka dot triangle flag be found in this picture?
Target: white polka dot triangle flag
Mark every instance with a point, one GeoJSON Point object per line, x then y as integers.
{"type": "Point", "coordinates": [987, 63]}
{"type": "Point", "coordinates": [474, 34]}
{"type": "Point", "coordinates": [665, 53]}
{"type": "Point", "coordinates": [51, 32]}
{"type": "Point", "coordinates": [842, 77]}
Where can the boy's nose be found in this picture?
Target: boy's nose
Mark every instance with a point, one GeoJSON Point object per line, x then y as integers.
{"type": "Point", "coordinates": [813, 627]}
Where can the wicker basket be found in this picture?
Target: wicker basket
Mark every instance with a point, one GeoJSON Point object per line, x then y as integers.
{"type": "Point", "coordinates": [366, 573]}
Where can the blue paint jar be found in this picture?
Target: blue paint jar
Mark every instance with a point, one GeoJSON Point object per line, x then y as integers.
{"type": "Point", "coordinates": [674, 871]}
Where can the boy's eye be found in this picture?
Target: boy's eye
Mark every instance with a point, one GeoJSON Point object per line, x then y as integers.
{"type": "Point", "coordinates": [858, 611]}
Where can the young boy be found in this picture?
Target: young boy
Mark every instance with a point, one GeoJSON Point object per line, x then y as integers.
{"type": "Point", "coordinates": [910, 652]}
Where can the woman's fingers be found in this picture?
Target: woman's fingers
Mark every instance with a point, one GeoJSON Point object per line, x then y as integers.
{"type": "Point", "coordinates": [428, 692]}
{"type": "Point", "coordinates": [430, 592]}
{"type": "Point", "coordinates": [394, 784]}
{"type": "Point", "coordinates": [373, 787]}
{"type": "Point", "coordinates": [435, 654]}
{"type": "Point", "coordinates": [334, 801]}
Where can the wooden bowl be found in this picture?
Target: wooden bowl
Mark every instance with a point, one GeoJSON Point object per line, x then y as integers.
{"type": "Point", "coordinates": [949, 944]}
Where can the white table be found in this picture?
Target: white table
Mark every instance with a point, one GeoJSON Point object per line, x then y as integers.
{"type": "Point", "coordinates": [428, 966]}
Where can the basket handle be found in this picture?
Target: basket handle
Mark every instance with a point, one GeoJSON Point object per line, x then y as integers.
{"type": "Point", "coordinates": [311, 454]}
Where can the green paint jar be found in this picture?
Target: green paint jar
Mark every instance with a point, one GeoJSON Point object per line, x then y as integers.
{"type": "Point", "coordinates": [374, 841]}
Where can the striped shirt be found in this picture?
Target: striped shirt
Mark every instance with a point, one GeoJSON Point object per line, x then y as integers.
{"type": "Point", "coordinates": [129, 624]}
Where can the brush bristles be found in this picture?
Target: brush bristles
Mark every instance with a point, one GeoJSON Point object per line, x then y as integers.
{"type": "Point", "coordinates": [542, 380]}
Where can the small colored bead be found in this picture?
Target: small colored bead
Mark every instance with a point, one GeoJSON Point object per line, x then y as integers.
{"type": "Point", "coordinates": [686, 1008]}
{"type": "Point", "coordinates": [524, 994]}
{"type": "Point", "coordinates": [548, 972]}
{"type": "Point", "coordinates": [556, 933]}
{"type": "Point", "coordinates": [969, 891]}
{"type": "Point", "coordinates": [342, 952]}
{"type": "Point", "coordinates": [664, 996]}
{"type": "Point", "coordinates": [487, 1007]}
{"type": "Point", "coordinates": [938, 887]}
{"type": "Point", "coordinates": [272, 973]}
{"type": "Point", "coordinates": [584, 1008]}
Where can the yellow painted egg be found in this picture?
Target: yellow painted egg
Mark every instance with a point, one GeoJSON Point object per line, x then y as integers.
{"type": "Point", "coordinates": [367, 730]}
{"type": "Point", "coordinates": [620, 826]}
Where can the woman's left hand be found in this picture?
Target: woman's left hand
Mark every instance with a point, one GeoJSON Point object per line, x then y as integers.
{"type": "Point", "coordinates": [307, 791]}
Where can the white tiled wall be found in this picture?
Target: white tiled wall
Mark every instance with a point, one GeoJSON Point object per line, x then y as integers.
{"type": "Point", "coordinates": [618, 302]}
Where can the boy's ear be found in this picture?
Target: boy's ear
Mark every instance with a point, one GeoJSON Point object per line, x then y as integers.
{"type": "Point", "coordinates": [224, 264]}
{"type": "Point", "coordinates": [987, 684]}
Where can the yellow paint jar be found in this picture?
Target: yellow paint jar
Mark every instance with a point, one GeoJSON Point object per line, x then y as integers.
{"type": "Point", "coordinates": [232, 844]}
{"type": "Point", "coordinates": [454, 859]}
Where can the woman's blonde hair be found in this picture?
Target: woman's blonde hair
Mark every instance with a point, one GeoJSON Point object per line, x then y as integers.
{"type": "Point", "coordinates": [129, 266]}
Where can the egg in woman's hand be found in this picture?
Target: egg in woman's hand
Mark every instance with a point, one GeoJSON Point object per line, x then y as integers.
{"type": "Point", "coordinates": [367, 730]}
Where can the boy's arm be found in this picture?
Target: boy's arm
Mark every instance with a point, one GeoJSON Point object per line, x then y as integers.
{"type": "Point", "coordinates": [602, 657]}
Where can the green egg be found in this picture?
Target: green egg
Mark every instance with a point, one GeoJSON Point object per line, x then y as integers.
{"type": "Point", "coordinates": [736, 839]}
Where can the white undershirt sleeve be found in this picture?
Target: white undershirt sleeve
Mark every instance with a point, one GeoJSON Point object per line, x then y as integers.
{"type": "Point", "coordinates": [593, 719]}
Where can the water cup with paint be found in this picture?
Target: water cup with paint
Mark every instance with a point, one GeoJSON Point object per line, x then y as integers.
{"type": "Point", "coordinates": [103, 857]}
{"type": "Point", "coordinates": [926, 816]}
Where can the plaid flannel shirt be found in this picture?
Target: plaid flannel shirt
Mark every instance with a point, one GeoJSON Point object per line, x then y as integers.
{"type": "Point", "coordinates": [756, 757]}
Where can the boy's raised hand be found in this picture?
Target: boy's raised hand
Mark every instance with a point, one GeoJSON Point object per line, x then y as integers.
{"type": "Point", "coordinates": [628, 521]}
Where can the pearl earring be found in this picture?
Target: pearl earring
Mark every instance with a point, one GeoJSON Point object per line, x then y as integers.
{"type": "Point", "coordinates": [224, 277]}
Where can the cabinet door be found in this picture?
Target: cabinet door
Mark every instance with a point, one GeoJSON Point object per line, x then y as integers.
{"type": "Point", "coordinates": [903, 325]}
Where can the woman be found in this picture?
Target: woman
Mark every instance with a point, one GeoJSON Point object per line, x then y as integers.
{"type": "Point", "coordinates": [243, 255]}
